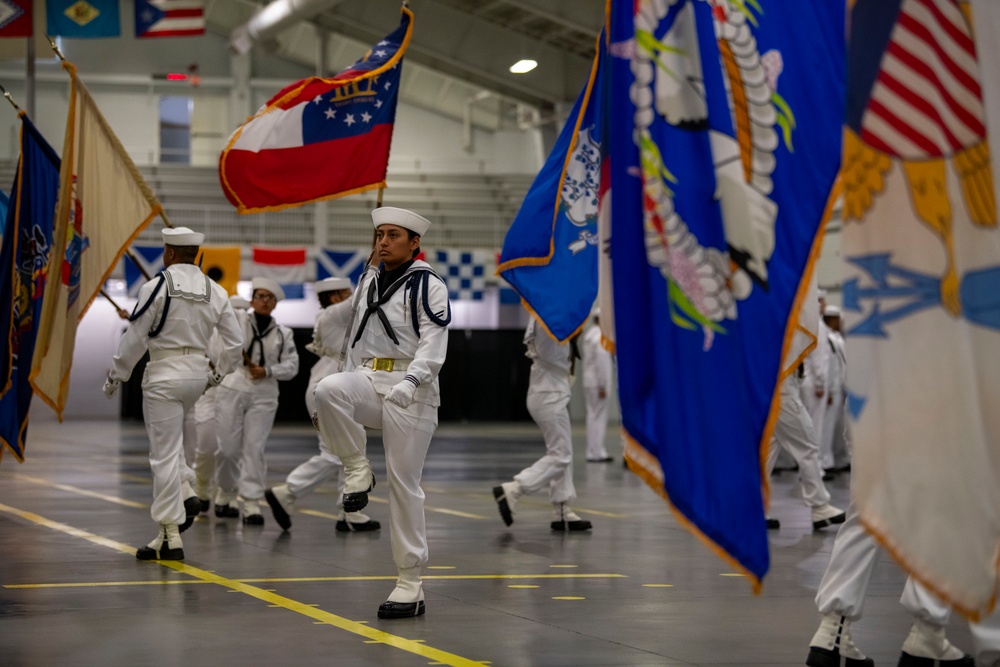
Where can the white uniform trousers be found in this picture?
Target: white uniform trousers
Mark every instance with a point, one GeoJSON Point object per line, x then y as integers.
{"type": "Point", "coordinates": [794, 433]}
{"type": "Point", "coordinates": [206, 444]}
{"type": "Point", "coordinates": [346, 403]}
{"type": "Point", "coordinates": [244, 421]}
{"type": "Point", "coordinates": [555, 469]}
{"type": "Point", "coordinates": [325, 465]}
{"type": "Point", "coordinates": [833, 447]}
{"type": "Point", "coordinates": [816, 407]}
{"type": "Point", "coordinates": [164, 404]}
{"type": "Point", "coordinates": [986, 640]}
{"type": "Point", "coordinates": [597, 422]}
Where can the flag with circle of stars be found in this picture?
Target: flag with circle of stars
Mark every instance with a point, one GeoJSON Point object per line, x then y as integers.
{"type": "Point", "coordinates": [319, 138]}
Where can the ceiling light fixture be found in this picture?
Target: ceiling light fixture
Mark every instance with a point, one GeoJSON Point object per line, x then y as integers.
{"type": "Point", "coordinates": [522, 66]}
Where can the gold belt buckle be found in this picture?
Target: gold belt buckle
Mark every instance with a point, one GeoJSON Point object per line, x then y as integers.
{"type": "Point", "coordinates": [382, 364]}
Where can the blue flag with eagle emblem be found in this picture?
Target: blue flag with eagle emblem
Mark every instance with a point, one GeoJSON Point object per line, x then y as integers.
{"type": "Point", "coordinates": [725, 144]}
{"type": "Point", "coordinates": [549, 255]}
{"type": "Point", "coordinates": [921, 264]}
{"type": "Point", "coordinates": [24, 261]}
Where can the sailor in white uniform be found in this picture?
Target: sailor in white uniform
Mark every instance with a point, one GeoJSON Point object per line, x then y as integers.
{"type": "Point", "coordinates": [246, 403]}
{"type": "Point", "coordinates": [548, 401]}
{"type": "Point", "coordinates": [398, 345]}
{"type": "Point", "coordinates": [329, 332]}
{"type": "Point", "coordinates": [174, 318]}
{"type": "Point", "coordinates": [597, 377]}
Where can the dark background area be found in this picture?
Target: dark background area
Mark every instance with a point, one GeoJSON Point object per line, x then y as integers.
{"type": "Point", "coordinates": [485, 378]}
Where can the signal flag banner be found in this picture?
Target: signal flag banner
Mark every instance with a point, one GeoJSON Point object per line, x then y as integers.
{"type": "Point", "coordinates": [319, 138]}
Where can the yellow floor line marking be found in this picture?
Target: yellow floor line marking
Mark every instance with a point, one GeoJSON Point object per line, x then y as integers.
{"type": "Point", "coordinates": [82, 492]}
{"type": "Point", "coordinates": [354, 627]}
{"type": "Point", "coordinates": [522, 502]}
{"type": "Point", "coordinates": [523, 586]}
{"type": "Point", "coordinates": [441, 567]}
{"type": "Point", "coordinates": [295, 580]}
{"type": "Point", "coordinates": [568, 597]}
{"type": "Point", "coordinates": [732, 574]}
{"type": "Point", "coordinates": [565, 566]}
{"type": "Point", "coordinates": [384, 501]}
{"type": "Point", "coordinates": [658, 585]}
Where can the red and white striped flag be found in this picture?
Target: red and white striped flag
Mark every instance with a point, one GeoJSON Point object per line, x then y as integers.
{"type": "Point", "coordinates": [169, 18]}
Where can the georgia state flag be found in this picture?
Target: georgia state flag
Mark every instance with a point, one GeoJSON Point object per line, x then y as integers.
{"type": "Point", "coordinates": [319, 138]}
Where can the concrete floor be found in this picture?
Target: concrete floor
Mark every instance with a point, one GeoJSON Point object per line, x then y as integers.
{"type": "Point", "coordinates": [638, 590]}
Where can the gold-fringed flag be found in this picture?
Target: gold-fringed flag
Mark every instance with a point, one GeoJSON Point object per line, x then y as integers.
{"type": "Point", "coordinates": [921, 253]}
{"type": "Point", "coordinates": [103, 204]}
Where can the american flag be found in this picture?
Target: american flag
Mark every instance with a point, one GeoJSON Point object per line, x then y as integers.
{"type": "Point", "coordinates": [925, 100]}
{"type": "Point", "coordinates": [169, 18]}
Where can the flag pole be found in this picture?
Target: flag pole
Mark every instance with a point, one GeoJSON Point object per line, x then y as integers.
{"type": "Point", "coordinates": [122, 313]}
{"type": "Point", "coordinates": [11, 99]}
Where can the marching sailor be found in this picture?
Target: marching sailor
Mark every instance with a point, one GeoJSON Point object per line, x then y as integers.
{"type": "Point", "coordinates": [174, 318]}
{"type": "Point", "coordinates": [398, 345]}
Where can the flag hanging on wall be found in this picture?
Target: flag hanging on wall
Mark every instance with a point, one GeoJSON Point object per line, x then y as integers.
{"type": "Point", "coordinates": [550, 251]}
{"type": "Point", "coordinates": [16, 18]}
{"type": "Point", "coordinates": [169, 18]}
{"type": "Point", "coordinates": [719, 192]}
{"type": "Point", "coordinates": [341, 263]}
{"type": "Point", "coordinates": [463, 271]}
{"type": "Point", "coordinates": [221, 264]}
{"type": "Point", "coordinates": [24, 262]}
{"type": "Point", "coordinates": [82, 18]}
{"type": "Point", "coordinates": [141, 264]}
{"type": "Point", "coordinates": [103, 205]}
{"type": "Point", "coordinates": [286, 266]}
{"type": "Point", "coordinates": [319, 138]}
{"type": "Point", "coordinates": [921, 261]}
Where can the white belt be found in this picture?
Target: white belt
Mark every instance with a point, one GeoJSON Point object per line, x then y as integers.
{"type": "Point", "coordinates": [384, 364]}
{"type": "Point", "coordinates": [159, 355]}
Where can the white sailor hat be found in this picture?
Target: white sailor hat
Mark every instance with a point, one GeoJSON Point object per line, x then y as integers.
{"type": "Point", "coordinates": [390, 215]}
{"type": "Point", "coordinates": [831, 311]}
{"type": "Point", "coordinates": [332, 285]}
{"type": "Point", "coordinates": [238, 302]}
{"type": "Point", "coordinates": [269, 285]}
{"type": "Point", "coordinates": [182, 236]}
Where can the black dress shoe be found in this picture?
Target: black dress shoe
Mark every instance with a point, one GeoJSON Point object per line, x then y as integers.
{"type": "Point", "coordinates": [253, 520]}
{"type": "Point", "coordinates": [824, 657]}
{"type": "Point", "coordinates": [571, 526]}
{"type": "Point", "coordinates": [773, 524]}
{"type": "Point", "coordinates": [355, 502]}
{"type": "Point", "coordinates": [165, 553]}
{"type": "Point", "coordinates": [501, 498]}
{"type": "Point", "coordinates": [344, 526]}
{"type": "Point", "coordinates": [907, 660]}
{"type": "Point", "coordinates": [606, 459]}
{"type": "Point", "coordinates": [401, 609]}
{"type": "Point", "coordinates": [226, 512]}
{"type": "Point", "coordinates": [203, 505]}
{"type": "Point", "coordinates": [280, 515]}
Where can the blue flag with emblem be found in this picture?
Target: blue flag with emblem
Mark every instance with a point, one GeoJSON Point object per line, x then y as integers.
{"type": "Point", "coordinates": [725, 146]}
{"type": "Point", "coordinates": [550, 252]}
{"type": "Point", "coordinates": [24, 263]}
{"type": "Point", "coordinates": [82, 18]}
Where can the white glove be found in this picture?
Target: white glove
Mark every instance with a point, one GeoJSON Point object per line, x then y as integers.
{"type": "Point", "coordinates": [215, 378]}
{"type": "Point", "coordinates": [110, 386]}
{"type": "Point", "coordinates": [402, 394]}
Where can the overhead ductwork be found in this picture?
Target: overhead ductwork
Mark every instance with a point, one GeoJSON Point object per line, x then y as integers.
{"type": "Point", "coordinates": [272, 19]}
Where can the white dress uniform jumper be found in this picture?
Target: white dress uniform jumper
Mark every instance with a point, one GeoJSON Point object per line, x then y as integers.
{"type": "Point", "coordinates": [597, 378]}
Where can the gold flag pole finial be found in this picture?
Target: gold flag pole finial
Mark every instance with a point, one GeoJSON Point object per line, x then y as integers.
{"type": "Point", "coordinates": [52, 44]}
{"type": "Point", "coordinates": [10, 99]}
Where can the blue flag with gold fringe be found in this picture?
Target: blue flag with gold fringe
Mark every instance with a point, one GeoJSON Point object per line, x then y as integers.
{"type": "Point", "coordinates": [549, 255]}
{"type": "Point", "coordinates": [725, 145]}
{"type": "Point", "coordinates": [24, 262]}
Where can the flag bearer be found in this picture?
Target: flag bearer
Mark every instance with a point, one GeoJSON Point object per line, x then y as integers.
{"type": "Point", "coordinates": [328, 343]}
{"type": "Point", "coordinates": [397, 348]}
{"type": "Point", "coordinates": [597, 377]}
{"type": "Point", "coordinates": [246, 403]}
{"type": "Point", "coordinates": [174, 318]}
